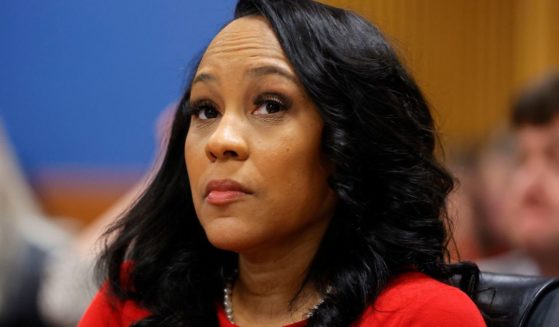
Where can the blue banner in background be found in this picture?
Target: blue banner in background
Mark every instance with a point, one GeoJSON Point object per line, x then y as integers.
{"type": "Point", "coordinates": [83, 82]}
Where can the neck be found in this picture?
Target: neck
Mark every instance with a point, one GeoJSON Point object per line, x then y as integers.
{"type": "Point", "coordinates": [271, 289]}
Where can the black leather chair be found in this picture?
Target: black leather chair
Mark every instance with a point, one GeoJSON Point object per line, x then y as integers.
{"type": "Point", "coordinates": [518, 301]}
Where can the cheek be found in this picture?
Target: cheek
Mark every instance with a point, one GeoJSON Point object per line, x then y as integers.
{"type": "Point", "coordinates": [194, 157]}
{"type": "Point", "coordinates": [552, 189]}
{"type": "Point", "coordinates": [552, 179]}
{"type": "Point", "coordinates": [295, 171]}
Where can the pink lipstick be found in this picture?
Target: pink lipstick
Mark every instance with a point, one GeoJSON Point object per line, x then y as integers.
{"type": "Point", "coordinates": [224, 191]}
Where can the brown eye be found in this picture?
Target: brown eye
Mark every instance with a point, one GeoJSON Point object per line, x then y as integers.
{"type": "Point", "coordinates": [207, 113]}
{"type": "Point", "coordinates": [204, 110]}
{"type": "Point", "coordinates": [269, 107]}
{"type": "Point", "coordinates": [270, 104]}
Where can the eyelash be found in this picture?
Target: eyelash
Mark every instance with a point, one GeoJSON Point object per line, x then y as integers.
{"type": "Point", "coordinates": [197, 107]}
{"type": "Point", "coordinates": [272, 98]}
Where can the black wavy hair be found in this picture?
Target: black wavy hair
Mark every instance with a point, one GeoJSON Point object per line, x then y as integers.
{"type": "Point", "coordinates": [378, 133]}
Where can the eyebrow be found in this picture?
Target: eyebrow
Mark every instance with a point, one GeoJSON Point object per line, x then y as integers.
{"type": "Point", "coordinates": [271, 70]}
{"type": "Point", "coordinates": [255, 72]}
{"type": "Point", "coordinates": [204, 77]}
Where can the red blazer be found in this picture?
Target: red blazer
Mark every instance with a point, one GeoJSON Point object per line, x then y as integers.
{"type": "Point", "coordinates": [411, 300]}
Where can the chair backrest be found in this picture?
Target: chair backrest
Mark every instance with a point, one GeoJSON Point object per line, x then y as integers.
{"type": "Point", "coordinates": [519, 301]}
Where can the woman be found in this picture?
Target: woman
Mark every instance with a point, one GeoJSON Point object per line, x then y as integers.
{"type": "Point", "coordinates": [299, 188]}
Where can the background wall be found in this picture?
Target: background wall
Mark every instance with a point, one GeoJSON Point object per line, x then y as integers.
{"type": "Point", "coordinates": [469, 56]}
{"type": "Point", "coordinates": [82, 82]}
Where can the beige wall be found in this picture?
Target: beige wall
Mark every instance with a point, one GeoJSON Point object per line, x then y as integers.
{"type": "Point", "coordinates": [469, 56]}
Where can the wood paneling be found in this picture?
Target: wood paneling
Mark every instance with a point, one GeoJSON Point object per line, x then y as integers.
{"type": "Point", "coordinates": [468, 55]}
{"type": "Point", "coordinates": [536, 43]}
{"type": "Point", "coordinates": [82, 195]}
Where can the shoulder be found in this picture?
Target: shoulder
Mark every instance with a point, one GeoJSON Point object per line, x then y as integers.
{"type": "Point", "coordinates": [107, 310]}
{"type": "Point", "coordinates": [415, 299]}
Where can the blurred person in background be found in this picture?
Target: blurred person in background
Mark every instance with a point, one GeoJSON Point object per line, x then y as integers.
{"type": "Point", "coordinates": [492, 171]}
{"type": "Point", "coordinates": [477, 204]}
{"type": "Point", "coordinates": [26, 236]}
{"type": "Point", "coordinates": [532, 198]}
{"type": "Point", "coordinates": [68, 284]}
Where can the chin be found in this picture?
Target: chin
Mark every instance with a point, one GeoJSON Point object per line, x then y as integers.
{"type": "Point", "coordinates": [228, 234]}
{"type": "Point", "coordinates": [541, 244]}
{"type": "Point", "coordinates": [228, 243]}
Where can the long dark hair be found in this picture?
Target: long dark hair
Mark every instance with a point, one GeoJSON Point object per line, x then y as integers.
{"type": "Point", "coordinates": [380, 136]}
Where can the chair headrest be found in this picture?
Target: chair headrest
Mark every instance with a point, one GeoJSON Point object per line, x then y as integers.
{"type": "Point", "coordinates": [511, 300]}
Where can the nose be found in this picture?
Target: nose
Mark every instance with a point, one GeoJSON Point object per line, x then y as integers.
{"type": "Point", "coordinates": [227, 141]}
{"type": "Point", "coordinates": [531, 182]}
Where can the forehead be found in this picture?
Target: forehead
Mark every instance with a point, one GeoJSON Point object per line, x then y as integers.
{"type": "Point", "coordinates": [245, 38]}
{"type": "Point", "coordinates": [539, 136]}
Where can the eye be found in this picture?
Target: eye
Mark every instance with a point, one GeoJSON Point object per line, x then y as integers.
{"type": "Point", "coordinates": [203, 110]}
{"type": "Point", "coordinates": [270, 104]}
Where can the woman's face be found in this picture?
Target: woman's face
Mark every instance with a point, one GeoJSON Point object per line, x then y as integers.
{"type": "Point", "coordinates": [253, 154]}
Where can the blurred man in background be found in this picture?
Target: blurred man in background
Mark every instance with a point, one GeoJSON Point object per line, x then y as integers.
{"type": "Point", "coordinates": [532, 225]}
{"type": "Point", "coordinates": [478, 203]}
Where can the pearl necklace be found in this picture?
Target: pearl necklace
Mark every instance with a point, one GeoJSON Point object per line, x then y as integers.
{"type": "Point", "coordinates": [228, 305]}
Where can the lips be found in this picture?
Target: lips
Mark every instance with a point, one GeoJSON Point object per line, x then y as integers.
{"type": "Point", "coordinates": [224, 191]}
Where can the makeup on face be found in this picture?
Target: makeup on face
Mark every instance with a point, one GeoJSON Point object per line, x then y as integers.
{"type": "Point", "coordinates": [253, 148]}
